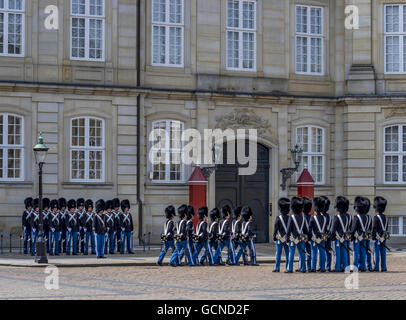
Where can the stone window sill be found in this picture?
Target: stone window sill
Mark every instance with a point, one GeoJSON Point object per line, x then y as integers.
{"type": "Point", "coordinates": [16, 184]}
{"type": "Point", "coordinates": [85, 185]}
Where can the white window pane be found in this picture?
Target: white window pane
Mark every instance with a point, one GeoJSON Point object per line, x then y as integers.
{"type": "Point", "coordinates": [233, 14]}
{"type": "Point", "coordinates": [95, 39]}
{"type": "Point", "coordinates": [78, 37]}
{"type": "Point", "coordinates": [248, 15]}
{"type": "Point", "coordinates": [392, 54]}
{"type": "Point", "coordinates": [159, 11]}
{"type": "Point", "coordinates": [1, 129]}
{"type": "Point", "coordinates": [301, 19]}
{"type": "Point", "coordinates": [175, 45]}
{"type": "Point", "coordinates": [78, 6]}
{"type": "Point", "coordinates": [301, 54]}
{"type": "Point", "coordinates": [315, 21]}
{"type": "Point", "coordinates": [175, 11]}
{"type": "Point", "coordinates": [159, 44]}
{"type": "Point", "coordinates": [392, 139]}
{"type": "Point", "coordinates": [96, 8]}
{"type": "Point", "coordinates": [78, 165]}
{"type": "Point", "coordinates": [1, 4]}
{"type": "Point", "coordinates": [248, 50]}
{"type": "Point", "coordinates": [14, 157]}
{"type": "Point", "coordinates": [391, 168]}
{"type": "Point", "coordinates": [14, 33]}
{"type": "Point", "coordinates": [315, 55]}
{"type": "Point", "coordinates": [392, 18]}
{"type": "Point", "coordinates": [393, 225]}
{"type": "Point", "coordinates": [317, 168]}
{"type": "Point", "coordinates": [233, 55]}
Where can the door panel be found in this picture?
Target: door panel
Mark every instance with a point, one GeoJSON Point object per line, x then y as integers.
{"type": "Point", "coordinates": [253, 190]}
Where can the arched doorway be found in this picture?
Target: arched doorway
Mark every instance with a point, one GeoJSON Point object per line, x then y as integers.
{"type": "Point", "coordinates": [253, 190]}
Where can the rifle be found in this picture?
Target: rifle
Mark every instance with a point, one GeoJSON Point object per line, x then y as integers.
{"type": "Point", "coordinates": [301, 249]}
{"type": "Point", "coordinates": [366, 248]}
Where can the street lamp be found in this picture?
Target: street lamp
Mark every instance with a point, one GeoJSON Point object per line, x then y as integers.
{"type": "Point", "coordinates": [288, 172]}
{"type": "Point", "coordinates": [40, 151]}
{"type": "Point", "coordinates": [208, 171]}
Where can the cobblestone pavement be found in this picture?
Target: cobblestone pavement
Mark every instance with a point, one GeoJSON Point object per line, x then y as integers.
{"type": "Point", "coordinates": [237, 282]}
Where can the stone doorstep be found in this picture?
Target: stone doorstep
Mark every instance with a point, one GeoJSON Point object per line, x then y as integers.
{"type": "Point", "coordinates": [94, 262]}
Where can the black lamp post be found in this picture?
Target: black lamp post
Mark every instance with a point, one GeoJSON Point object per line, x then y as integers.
{"type": "Point", "coordinates": [208, 171]}
{"type": "Point", "coordinates": [40, 151]}
{"type": "Point", "coordinates": [288, 172]}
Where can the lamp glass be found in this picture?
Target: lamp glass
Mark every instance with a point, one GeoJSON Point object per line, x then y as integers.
{"type": "Point", "coordinates": [40, 155]}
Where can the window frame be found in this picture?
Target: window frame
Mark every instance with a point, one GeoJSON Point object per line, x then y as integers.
{"type": "Point", "coordinates": [6, 11]}
{"type": "Point", "coordinates": [240, 30]}
{"type": "Point", "coordinates": [87, 149]}
{"type": "Point", "coordinates": [400, 221]}
{"type": "Point", "coordinates": [6, 146]}
{"type": "Point", "coordinates": [167, 25]}
{"type": "Point", "coordinates": [87, 17]}
{"type": "Point", "coordinates": [311, 154]}
{"type": "Point", "coordinates": [308, 36]}
{"type": "Point", "coordinates": [167, 164]}
{"type": "Point", "coordinates": [398, 153]}
{"type": "Point", "coordinates": [400, 34]}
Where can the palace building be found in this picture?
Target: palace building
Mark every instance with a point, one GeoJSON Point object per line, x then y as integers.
{"type": "Point", "coordinates": [111, 71]}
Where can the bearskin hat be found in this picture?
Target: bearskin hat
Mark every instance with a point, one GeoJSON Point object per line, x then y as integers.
{"type": "Point", "coordinates": [284, 205]}
{"type": "Point", "coordinates": [71, 204]}
{"type": "Point", "coordinates": [246, 213]}
{"type": "Point", "coordinates": [307, 205]}
{"type": "Point", "coordinates": [100, 205]}
{"type": "Point", "coordinates": [62, 203]}
{"type": "Point", "coordinates": [342, 204]}
{"type": "Point", "coordinates": [88, 204]}
{"type": "Point", "coordinates": [214, 214]}
{"type": "Point", "coordinates": [109, 204]}
{"type": "Point", "coordinates": [226, 211]}
{"type": "Point", "coordinates": [80, 202]}
{"type": "Point", "coordinates": [28, 202]}
{"type": "Point", "coordinates": [125, 204]}
{"type": "Point", "coordinates": [296, 205]}
{"type": "Point", "coordinates": [54, 204]}
{"type": "Point", "coordinates": [45, 203]}
{"type": "Point", "coordinates": [327, 204]}
{"type": "Point", "coordinates": [190, 212]}
{"type": "Point", "coordinates": [116, 203]}
{"type": "Point", "coordinates": [170, 212]}
{"type": "Point", "coordinates": [318, 204]}
{"type": "Point", "coordinates": [380, 204]}
{"type": "Point", "coordinates": [361, 205]}
{"type": "Point", "coordinates": [237, 211]}
{"type": "Point", "coordinates": [182, 211]}
{"type": "Point", "coordinates": [202, 212]}
{"type": "Point", "coordinates": [35, 203]}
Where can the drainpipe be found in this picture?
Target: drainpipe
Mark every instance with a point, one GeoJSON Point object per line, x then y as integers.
{"type": "Point", "coordinates": [139, 201]}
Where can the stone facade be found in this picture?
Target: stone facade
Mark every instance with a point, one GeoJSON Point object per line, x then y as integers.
{"type": "Point", "coordinates": [353, 100]}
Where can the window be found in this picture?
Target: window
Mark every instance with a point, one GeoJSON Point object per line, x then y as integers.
{"type": "Point", "coordinates": [87, 30]}
{"type": "Point", "coordinates": [311, 139]}
{"type": "Point", "coordinates": [11, 147]}
{"type": "Point", "coordinates": [166, 151]}
{"type": "Point", "coordinates": [241, 35]}
{"type": "Point", "coordinates": [309, 40]}
{"type": "Point", "coordinates": [12, 18]}
{"type": "Point", "coordinates": [395, 38]}
{"type": "Point", "coordinates": [87, 150]}
{"type": "Point", "coordinates": [167, 32]}
{"type": "Point", "coordinates": [397, 225]}
{"type": "Point", "coordinates": [395, 154]}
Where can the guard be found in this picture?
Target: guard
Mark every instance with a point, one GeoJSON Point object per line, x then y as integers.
{"type": "Point", "coordinates": [213, 234]}
{"type": "Point", "coordinates": [190, 246]}
{"type": "Point", "coordinates": [318, 224]}
{"type": "Point", "coordinates": [110, 223]}
{"type": "Point", "coordinates": [380, 233]}
{"type": "Point", "coordinates": [100, 228]}
{"type": "Point", "coordinates": [127, 227]}
{"type": "Point", "coordinates": [72, 224]}
{"type": "Point", "coordinates": [329, 220]}
{"type": "Point", "coordinates": [81, 235]}
{"type": "Point", "coordinates": [236, 228]}
{"type": "Point", "coordinates": [26, 218]}
{"type": "Point", "coordinates": [297, 234]}
{"type": "Point", "coordinates": [55, 228]}
{"type": "Point", "coordinates": [307, 208]}
{"type": "Point", "coordinates": [180, 237]}
{"type": "Point", "coordinates": [340, 228]}
{"type": "Point", "coordinates": [34, 224]}
{"type": "Point", "coordinates": [280, 233]}
{"type": "Point", "coordinates": [224, 236]}
{"type": "Point", "coordinates": [117, 223]}
{"type": "Point", "coordinates": [200, 238]}
{"type": "Point", "coordinates": [168, 235]}
{"type": "Point", "coordinates": [62, 219]}
{"type": "Point", "coordinates": [45, 214]}
{"type": "Point", "coordinates": [87, 224]}
{"type": "Point", "coordinates": [358, 231]}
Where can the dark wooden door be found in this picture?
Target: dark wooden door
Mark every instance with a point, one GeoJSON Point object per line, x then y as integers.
{"type": "Point", "coordinates": [238, 190]}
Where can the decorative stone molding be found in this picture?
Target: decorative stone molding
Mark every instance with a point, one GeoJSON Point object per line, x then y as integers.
{"type": "Point", "coordinates": [396, 112]}
{"type": "Point", "coordinates": [243, 118]}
